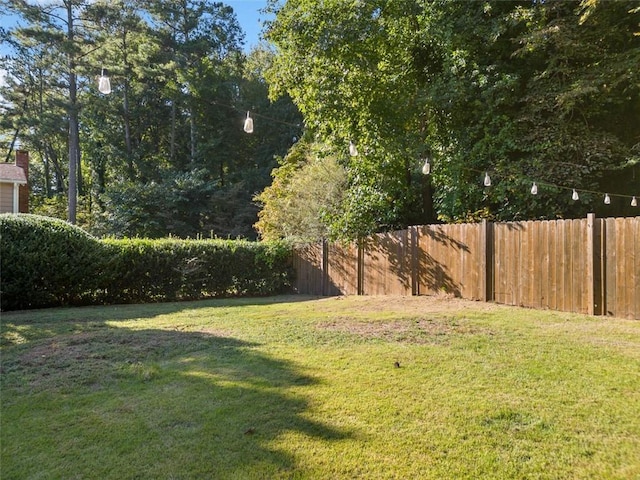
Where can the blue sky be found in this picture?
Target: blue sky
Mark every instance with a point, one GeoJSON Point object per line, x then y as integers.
{"type": "Point", "coordinates": [250, 18]}
{"type": "Point", "coordinates": [247, 12]}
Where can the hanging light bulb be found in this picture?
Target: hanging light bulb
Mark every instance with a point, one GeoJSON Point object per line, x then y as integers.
{"type": "Point", "coordinates": [634, 202]}
{"type": "Point", "coordinates": [487, 179]}
{"type": "Point", "coordinates": [574, 195]}
{"type": "Point", "coordinates": [353, 151]}
{"type": "Point", "coordinates": [534, 189]}
{"type": "Point", "coordinates": [248, 124]}
{"type": "Point", "coordinates": [426, 168]}
{"type": "Point", "coordinates": [607, 199]}
{"type": "Point", "coordinates": [104, 85]}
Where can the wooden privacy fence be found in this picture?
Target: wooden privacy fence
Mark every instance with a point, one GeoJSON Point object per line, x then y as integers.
{"type": "Point", "coordinates": [589, 265]}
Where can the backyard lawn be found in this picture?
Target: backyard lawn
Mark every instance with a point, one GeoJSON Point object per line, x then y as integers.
{"type": "Point", "coordinates": [331, 388]}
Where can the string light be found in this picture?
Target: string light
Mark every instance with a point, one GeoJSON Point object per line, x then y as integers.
{"type": "Point", "coordinates": [426, 168]}
{"type": "Point", "coordinates": [104, 85]}
{"type": "Point", "coordinates": [534, 189]}
{"type": "Point", "coordinates": [574, 195]}
{"type": "Point", "coordinates": [248, 124]}
{"type": "Point", "coordinates": [634, 202]}
{"type": "Point", "coordinates": [353, 151]}
{"type": "Point", "coordinates": [607, 199]}
{"type": "Point", "coordinates": [487, 180]}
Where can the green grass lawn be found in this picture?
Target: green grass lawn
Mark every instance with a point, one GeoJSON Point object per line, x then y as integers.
{"type": "Point", "coordinates": [300, 387]}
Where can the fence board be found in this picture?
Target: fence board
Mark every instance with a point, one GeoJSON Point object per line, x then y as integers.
{"type": "Point", "coordinates": [635, 233]}
{"type": "Point", "coordinates": [342, 269]}
{"type": "Point", "coordinates": [387, 264]}
{"type": "Point", "coordinates": [622, 287]}
{"type": "Point", "coordinates": [543, 255]}
{"type": "Point", "coordinates": [610, 265]}
{"type": "Point", "coordinates": [567, 292]}
{"type": "Point", "coordinates": [307, 263]}
{"type": "Point", "coordinates": [553, 267]}
{"type": "Point", "coordinates": [450, 260]}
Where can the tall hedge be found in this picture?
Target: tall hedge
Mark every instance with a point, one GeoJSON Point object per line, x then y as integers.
{"type": "Point", "coordinates": [47, 262]}
{"type": "Point", "coordinates": [144, 270]}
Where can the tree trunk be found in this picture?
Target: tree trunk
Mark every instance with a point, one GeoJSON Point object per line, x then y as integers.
{"type": "Point", "coordinates": [74, 136]}
{"type": "Point", "coordinates": [192, 125]}
{"type": "Point", "coordinates": [126, 113]}
{"type": "Point", "coordinates": [172, 147]}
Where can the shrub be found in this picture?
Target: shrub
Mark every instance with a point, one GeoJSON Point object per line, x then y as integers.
{"type": "Point", "coordinates": [47, 262]}
{"type": "Point", "coordinates": [143, 270]}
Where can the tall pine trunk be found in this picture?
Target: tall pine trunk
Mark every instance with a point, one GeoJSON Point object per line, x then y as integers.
{"type": "Point", "coordinates": [74, 135]}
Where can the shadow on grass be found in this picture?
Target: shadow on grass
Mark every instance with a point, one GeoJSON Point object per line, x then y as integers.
{"type": "Point", "coordinates": [16, 326]}
{"type": "Point", "coordinates": [116, 403]}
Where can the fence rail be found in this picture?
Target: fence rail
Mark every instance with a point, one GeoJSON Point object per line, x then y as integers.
{"type": "Point", "coordinates": [589, 265]}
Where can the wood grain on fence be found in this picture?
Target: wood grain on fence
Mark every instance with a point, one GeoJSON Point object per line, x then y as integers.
{"type": "Point", "coordinates": [310, 272]}
{"type": "Point", "coordinates": [387, 264]}
{"type": "Point", "coordinates": [542, 264]}
{"type": "Point", "coordinates": [621, 258]}
{"type": "Point", "coordinates": [451, 260]}
{"type": "Point", "coordinates": [588, 266]}
{"type": "Point", "coordinates": [343, 265]}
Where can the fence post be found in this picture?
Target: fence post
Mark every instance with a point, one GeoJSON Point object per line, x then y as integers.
{"type": "Point", "coordinates": [415, 261]}
{"type": "Point", "coordinates": [324, 279]}
{"type": "Point", "coordinates": [594, 266]}
{"type": "Point", "coordinates": [486, 262]}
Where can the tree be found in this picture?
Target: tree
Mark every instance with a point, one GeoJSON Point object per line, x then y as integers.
{"type": "Point", "coordinates": [513, 88]}
{"type": "Point", "coordinates": [347, 66]}
{"type": "Point", "coordinates": [63, 29]}
{"type": "Point", "coordinates": [306, 192]}
{"type": "Point", "coordinates": [190, 31]}
{"type": "Point", "coordinates": [179, 60]}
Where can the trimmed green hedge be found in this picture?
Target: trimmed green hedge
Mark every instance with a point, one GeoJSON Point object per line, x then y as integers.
{"type": "Point", "coordinates": [47, 262]}
{"type": "Point", "coordinates": [144, 270]}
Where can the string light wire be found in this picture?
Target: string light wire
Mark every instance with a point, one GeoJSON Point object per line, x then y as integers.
{"type": "Point", "coordinates": [574, 191]}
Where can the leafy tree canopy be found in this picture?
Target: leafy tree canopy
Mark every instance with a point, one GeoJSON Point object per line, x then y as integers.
{"type": "Point", "coordinates": [523, 90]}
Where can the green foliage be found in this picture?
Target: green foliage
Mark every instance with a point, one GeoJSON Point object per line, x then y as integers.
{"type": "Point", "coordinates": [47, 262]}
{"type": "Point", "coordinates": [145, 270]}
{"type": "Point", "coordinates": [307, 190]}
{"type": "Point", "coordinates": [545, 91]}
{"type": "Point", "coordinates": [347, 66]}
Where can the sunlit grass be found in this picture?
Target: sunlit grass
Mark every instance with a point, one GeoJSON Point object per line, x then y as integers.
{"type": "Point", "coordinates": [298, 387]}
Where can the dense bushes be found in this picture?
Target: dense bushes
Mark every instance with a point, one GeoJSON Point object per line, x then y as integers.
{"type": "Point", "coordinates": [47, 262]}
{"type": "Point", "coordinates": [143, 270]}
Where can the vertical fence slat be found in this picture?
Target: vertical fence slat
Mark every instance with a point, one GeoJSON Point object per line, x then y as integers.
{"type": "Point", "coordinates": [579, 263]}
{"type": "Point", "coordinates": [636, 285]}
{"type": "Point", "coordinates": [611, 277]}
{"type": "Point", "coordinates": [621, 270]}
{"type": "Point", "coordinates": [553, 264]}
{"type": "Point", "coordinates": [543, 251]}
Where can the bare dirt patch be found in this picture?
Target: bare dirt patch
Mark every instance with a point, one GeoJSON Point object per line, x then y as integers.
{"type": "Point", "coordinates": [95, 358]}
{"type": "Point", "coordinates": [417, 331]}
{"type": "Point", "coordinates": [411, 304]}
{"type": "Point", "coordinates": [408, 319]}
